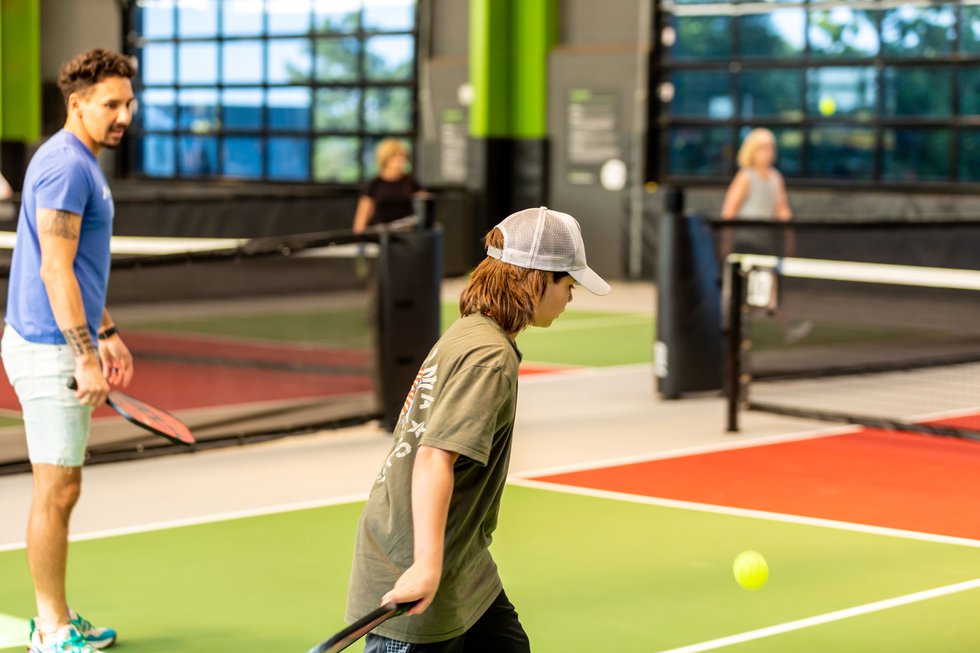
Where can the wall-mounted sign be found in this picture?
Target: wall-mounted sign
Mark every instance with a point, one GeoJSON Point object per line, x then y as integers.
{"type": "Point", "coordinates": [593, 136]}
{"type": "Point", "coordinates": [453, 143]}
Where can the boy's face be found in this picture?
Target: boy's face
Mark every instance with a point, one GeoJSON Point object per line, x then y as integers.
{"type": "Point", "coordinates": [556, 297]}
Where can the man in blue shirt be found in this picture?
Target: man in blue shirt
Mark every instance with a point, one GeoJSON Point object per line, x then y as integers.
{"type": "Point", "coordinates": [57, 326]}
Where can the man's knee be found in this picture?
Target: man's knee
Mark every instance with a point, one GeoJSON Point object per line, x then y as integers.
{"type": "Point", "coordinates": [57, 491]}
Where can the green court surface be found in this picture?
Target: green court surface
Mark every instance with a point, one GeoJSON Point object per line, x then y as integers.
{"type": "Point", "coordinates": [584, 338]}
{"type": "Point", "coordinates": [587, 574]}
{"type": "Point", "coordinates": [341, 327]}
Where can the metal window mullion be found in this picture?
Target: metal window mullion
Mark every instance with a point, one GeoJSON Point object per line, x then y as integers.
{"type": "Point", "coordinates": [362, 78]}
{"type": "Point", "coordinates": [264, 149]}
{"type": "Point", "coordinates": [877, 167]}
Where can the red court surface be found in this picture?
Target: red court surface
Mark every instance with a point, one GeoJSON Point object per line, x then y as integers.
{"type": "Point", "coordinates": [204, 371]}
{"type": "Point", "coordinates": [896, 480]}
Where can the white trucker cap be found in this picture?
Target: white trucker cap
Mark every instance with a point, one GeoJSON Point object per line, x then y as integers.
{"type": "Point", "coordinates": [542, 239]}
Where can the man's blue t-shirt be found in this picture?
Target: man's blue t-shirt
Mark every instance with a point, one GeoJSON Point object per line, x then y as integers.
{"type": "Point", "coordinates": [63, 175]}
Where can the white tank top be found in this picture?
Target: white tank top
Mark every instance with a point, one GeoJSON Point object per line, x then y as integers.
{"type": "Point", "coordinates": [760, 201]}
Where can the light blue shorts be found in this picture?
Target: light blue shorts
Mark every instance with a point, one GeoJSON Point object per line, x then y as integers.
{"type": "Point", "coordinates": [57, 424]}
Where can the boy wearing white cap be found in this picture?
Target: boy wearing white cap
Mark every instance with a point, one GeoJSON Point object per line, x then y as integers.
{"type": "Point", "coordinates": [425, 532]}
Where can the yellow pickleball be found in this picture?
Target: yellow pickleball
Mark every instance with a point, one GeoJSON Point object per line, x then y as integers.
{"type": "Point", "coordinates": [751, 570]}
{"type": "Point", "coordinates": [827, 106]}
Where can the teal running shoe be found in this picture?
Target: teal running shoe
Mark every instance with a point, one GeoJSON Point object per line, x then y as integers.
{"type": "Point", "coordinates": [66, 640]}
{"type": "Point", "coordinates": [98, 638]}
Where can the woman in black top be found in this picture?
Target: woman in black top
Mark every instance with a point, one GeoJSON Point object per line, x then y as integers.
{"type": "Point", "coordinates": [387, 197]}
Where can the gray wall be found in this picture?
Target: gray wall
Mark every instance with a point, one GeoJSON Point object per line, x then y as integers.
{"type": "Point", "coordinates": [442, 118]}
{"type": "Point", "coordinates": [69, 27]}
{"type": "Point", "coordinates": [599, 50]}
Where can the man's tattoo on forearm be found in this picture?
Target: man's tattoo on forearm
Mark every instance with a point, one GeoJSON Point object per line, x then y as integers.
{"type": "Point", "coordinates": [80, 340]}
{"type": "Point", "coordinates": [60, 223]}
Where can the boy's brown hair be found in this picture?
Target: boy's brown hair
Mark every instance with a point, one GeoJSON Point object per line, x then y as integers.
{"type": "Point", "coordinates": [89, 68]}
{"type": "Point", "coordinates": [506, 293]}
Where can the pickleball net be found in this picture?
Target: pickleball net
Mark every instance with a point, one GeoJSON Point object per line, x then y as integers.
{"type": "Point", "coordinates": [243, 341]}
{"type": "Point", "coordinates": [887, 346]}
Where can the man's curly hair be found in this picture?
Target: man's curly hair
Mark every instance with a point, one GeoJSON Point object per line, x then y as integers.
{"type": "Point", "coordinates": [90, 68]}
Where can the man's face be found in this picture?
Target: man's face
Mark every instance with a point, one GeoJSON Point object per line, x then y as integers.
{"type": "Point", "coordinates": [106, 110]}
{"type": "Point", "coordinates": [556, 297]}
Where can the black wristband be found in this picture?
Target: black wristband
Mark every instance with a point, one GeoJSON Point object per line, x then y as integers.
{"type": "Point", "coordinates": [108, 333]}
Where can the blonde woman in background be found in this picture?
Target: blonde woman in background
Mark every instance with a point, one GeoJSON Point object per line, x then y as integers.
{"type": "Point", "coordinates": [387, 197]}
{"type": "Point", "coordinates": [757, 192]}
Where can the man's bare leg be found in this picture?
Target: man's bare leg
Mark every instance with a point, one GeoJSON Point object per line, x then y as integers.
{"type": "Point", "coordinates": [56, 490]}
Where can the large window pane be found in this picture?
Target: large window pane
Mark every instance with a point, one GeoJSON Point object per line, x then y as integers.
{"type": "Point", "coordinates": [197, 19]}
{"type": "Point", "coordinates": [777, 93]}
{"type": "Point", "coordinates": [701, 151]}
{"type": "Point", "coordinates": [336, 159]}
{"type": "Point", "coordinates": [289, 61]}
{"type": "Point", "coordinates": [289, 159]}
{"type": "Point", "coordinates": [242, 156]}
{"type": "Point", "coordinates": [242, 88]}
{"type": "Point", "coordinates": [970, 30]}
{"type": "Point", "coordinates": [158, 109]}
{"type": "Point", "coordinates": [789, 150]}
{"type": "Point", "coordinates": [289, 18]}
{"type": "Point", "coordinates": [338, 59]}
{"type": "Point", "coordinates": [241, 62]}
{"type": "Point", "coordinates": [918, 91]}
{"type": "Point", "coordinates": [772, 35]}
{"type": "Point", "coordinates": [198, 110]}
{"type": "Point", "coordinates": [389, 15]}
{"type": "Point", "coordinates": [915, 154]}
{"type": "Point", "coordinates": [198, 156]}
{"type": "Point", "coordinates": [842, 92]}
{"type": "Point", "coordinates": [289, 108]}
{"type": "Point", "coordinates": [843, 32]}
{"type": "Point", "coordinates": [917, 31]}
{"type": "Point", "coordinates": [241, 108]}
{"type": "Point", "coordinates": [156, 20]}
{"type": "Point", "coordinates": [388, 110]}
{"type": "Point", "coordinates": [702, 37]}
{"type": "Point", "coordinates": [969, 160]}
{"type": "Point", "coordinates": [702, 93]}
{"type": "Point", "coordinates": [159, 159]}
{"type": "Point", "coordinates": [157, 63]}
{"type": "Point", "coordinates": [198, 63]}
{"type": "Point", "coordinates": [337, 15]}
{"type": "Point", "coordinates": [337, 109]}
{"type": "Point", "coordinates": [241, 17]}
{"type": "Point", "coordinates": [969, 82]}
{"type": "Point", "coordinates": [389, 57]}
{"type": "Point", "coordinates": [844, 153]}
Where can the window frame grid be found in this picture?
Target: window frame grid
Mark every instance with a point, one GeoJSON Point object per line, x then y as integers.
{"type": "Point", "coordinates": [663, 66]}
{"type": "Point", "coordinates": [135, 43]}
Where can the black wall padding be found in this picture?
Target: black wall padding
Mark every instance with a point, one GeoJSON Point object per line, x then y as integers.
{"type": "Point", "coordinates": [408, 313]}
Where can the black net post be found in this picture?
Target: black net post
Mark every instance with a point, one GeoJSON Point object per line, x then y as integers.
{"type": "Point", "coordinates": [409, 283]}
{"type": "Point", "coordinates": [687, 351]}
{"type": "Point", "coordinates": [734, 290]}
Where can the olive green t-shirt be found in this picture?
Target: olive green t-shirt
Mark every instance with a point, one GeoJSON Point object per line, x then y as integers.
{"type": "Point", "coordinates": [463, 400]}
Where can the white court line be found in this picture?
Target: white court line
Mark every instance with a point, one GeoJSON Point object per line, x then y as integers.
{"type": "Point", "coordinates": [829, 617]}
{"type": "Point", "coordinates": [204, 519]}
{"type": "Point", "coordinates": [747, 512]}
{"type": "Point", "coordinates": [13, 631]}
